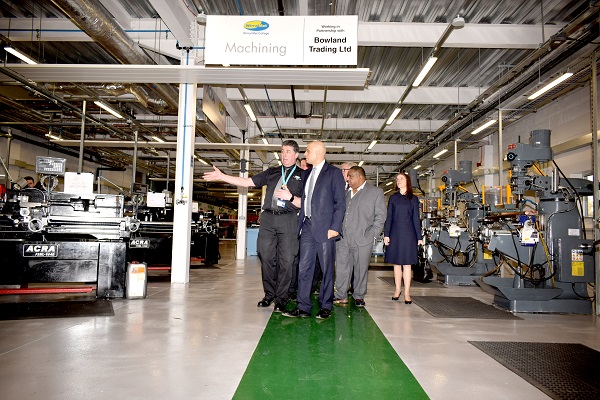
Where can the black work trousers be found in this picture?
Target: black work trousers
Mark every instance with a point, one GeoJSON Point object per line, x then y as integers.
{"type": "Point", "coordinates": [277, 246]}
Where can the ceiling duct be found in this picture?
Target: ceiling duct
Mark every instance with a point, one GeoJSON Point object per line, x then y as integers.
{"type": "Point", "coordinates": [141, 93]}
{"type": "Point", "coordinates": [97, 23]}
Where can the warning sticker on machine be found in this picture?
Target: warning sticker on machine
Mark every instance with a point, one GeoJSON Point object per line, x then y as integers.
{"type": "Point", "coordinates": [40, 250]}
{"type": "Point", "coordinates": [577, 266]}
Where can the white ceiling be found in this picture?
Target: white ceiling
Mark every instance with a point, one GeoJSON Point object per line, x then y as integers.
{"type": "Point", "coordinates": [492, 57]}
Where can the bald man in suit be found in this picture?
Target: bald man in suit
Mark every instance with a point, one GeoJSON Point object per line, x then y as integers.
{"type": "Point", "coordinates": [320, 224]}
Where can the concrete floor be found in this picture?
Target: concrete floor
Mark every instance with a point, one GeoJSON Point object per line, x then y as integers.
{"type": "Point", "coordinates": [194, 341]}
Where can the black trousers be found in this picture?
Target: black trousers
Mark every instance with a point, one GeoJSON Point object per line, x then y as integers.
{"type": "Point", "coordinates": [277, 246]}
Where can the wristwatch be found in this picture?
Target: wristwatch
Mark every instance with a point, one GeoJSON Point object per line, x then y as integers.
{"type": "Point", "coordinates": [292, 199]}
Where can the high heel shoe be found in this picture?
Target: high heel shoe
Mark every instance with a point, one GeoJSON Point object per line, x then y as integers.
{"type": "Point", "coordinates": [395, 298]}
{"type": "Point", "coordinates": [407, 301]}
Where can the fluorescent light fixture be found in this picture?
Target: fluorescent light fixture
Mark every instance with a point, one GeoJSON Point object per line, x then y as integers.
{"type": "Point", "coordinates": [108, 109]}
{"type": "Point", "coordinates": [157, 139]}
{"type": "Point", "coordinates": [360, 164]}
{"type": "Point", "coordinates": [276, 155]}
{"type": "Point", "coordinates": [200, 159]}
{"type": "Point", "coordinates": [388, 184]}
{"type": "Point", "coordinates": [250, 112]}
{"type": "Point", "coordinates": [440, 153]}
{"type": "Point", "coordinates": [20, 55]}
{"type": "Point", "coordinates": [424, 71]}
{"type": "Point", "coordinates": [549, 86]}
{"type": "Point", "coordinates": [482, 127]}
{"type": "Point", "coordinates": [417, 167]}
{"type": "Point", "coordinates": [265, 141]}
{"type": "Point", "coordinates": [279, 162]}
{"type": "Point", "coordinates": [387, 191]}
{"type": "Point", "coordinates": [373, 143]}
{"type": "Point", "coordinates": [393, 116]}
{"type": "Point", "coordinates": [51, 136]}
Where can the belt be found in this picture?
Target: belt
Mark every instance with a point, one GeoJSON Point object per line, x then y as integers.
{"type": "Point", "coordinates": [277, 212]}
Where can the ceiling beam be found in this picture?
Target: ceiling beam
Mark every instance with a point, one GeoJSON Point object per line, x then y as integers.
{"type": "Point", "coordinates": [173, 145]}
{"type": "Point", "coordinates": [350, 124]}
{"type": "Point", "coordinates": [178, 18]}
{"type": "Point", "coordinates": [415, 34]}
{"type": "Point", "coordinates": [393, 34]}
{"type": "Point", "coordinates": [372, 94]}
{"type": "Point", "coordinates": [118, 73]}
{"type": "Point", "coordinates": [118, 11]}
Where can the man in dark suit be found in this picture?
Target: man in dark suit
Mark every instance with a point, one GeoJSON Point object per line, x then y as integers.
{"type": "Point", "coordinates": [363, 222]}
{"type": "Point", "coordinates": [319, 223]}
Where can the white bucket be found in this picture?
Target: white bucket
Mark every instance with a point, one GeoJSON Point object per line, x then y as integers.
{"type": "Point", "coordinates": [136, 281]}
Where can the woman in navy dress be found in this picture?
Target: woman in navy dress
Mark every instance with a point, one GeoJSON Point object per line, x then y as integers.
{"type": "Point", "coordinates": [402, 234]}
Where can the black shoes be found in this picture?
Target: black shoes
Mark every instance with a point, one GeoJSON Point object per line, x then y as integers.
{"type": "Point", "coordinates": [264, 303]}
{"type": "Point", "coordinates": [297, 313]}
{"type": "Point", "coordinates": [279, 307]}
{"type": "Point", "coordinates": [407, 301]}
{"type": "Point", "coordinates": [340, 302]}
{"type": "Point", "coordinates": [324, 313]}
{"type": "Point", "coordinates": [395, 298]}
{"type": "Point", "coordinates": [359, 302]}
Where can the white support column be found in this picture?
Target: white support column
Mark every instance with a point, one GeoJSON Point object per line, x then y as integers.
{"type": "Point", "coordinates": [182, 213]}
{"type": "Point", "coordinates": [488, 165]}
{"type": "Point", "coordinates": [456, 154]}
{"type": "Point", "coordinates": [242, 210]}
{"type": "Point", "coordinates": [500, 149]}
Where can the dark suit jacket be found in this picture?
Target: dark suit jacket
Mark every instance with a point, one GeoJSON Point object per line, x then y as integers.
{"type": "Point", "coordinates": [328, 202]}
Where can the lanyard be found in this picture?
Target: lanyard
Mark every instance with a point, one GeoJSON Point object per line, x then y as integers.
{"type": "Point", "coordinates": [283, 178]}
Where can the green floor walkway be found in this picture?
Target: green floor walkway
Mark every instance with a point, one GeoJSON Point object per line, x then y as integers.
{"type": "Point", "coordinates": [343, 357]}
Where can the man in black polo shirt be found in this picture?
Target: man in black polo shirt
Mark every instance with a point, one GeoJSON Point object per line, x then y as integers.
{"type": "Point", "coordinates": [278, 231]}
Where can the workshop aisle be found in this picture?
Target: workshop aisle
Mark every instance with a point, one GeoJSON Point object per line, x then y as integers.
{"type": "Point", "coordinates": [344, 357]}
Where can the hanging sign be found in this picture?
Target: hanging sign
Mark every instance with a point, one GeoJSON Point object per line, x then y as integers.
{"type": "Point", "coordinates": [281, 40]}
{"type": "Point", "coordinates": [213, 108]}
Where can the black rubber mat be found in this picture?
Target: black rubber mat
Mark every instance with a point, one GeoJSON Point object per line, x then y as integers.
{"type": "Point", "coordinates": [59, 309]}
{"type": "Point", "coordinates": [431, 284]}
{"type": "Point", "coordinates": [460, 307]}
{"type": "Point", "coordinates": [380, 266]}
{"type": "Point", "coordinates": [566, 371]}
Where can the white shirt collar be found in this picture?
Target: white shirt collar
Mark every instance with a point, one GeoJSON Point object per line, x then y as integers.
{"type": "Point", "coordinates": [352, 194]}
{"type": "Point", "coordinates": [319, 166]}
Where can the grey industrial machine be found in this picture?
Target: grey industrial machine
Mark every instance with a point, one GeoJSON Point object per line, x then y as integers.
{"type": "Point", "coordinates": [153, 241]}
{"type": "Point", "coordinates": [457, 255]}
{"type": "Point", "coordinates": [50, 236]}
{"type": "Point", "coordinates": [544, 244]}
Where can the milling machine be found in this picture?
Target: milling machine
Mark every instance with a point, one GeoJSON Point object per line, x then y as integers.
{"type": "Point", "coordinates": [457, 255]}
{"type": "Point", "coordinates": [544, 246]}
